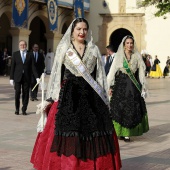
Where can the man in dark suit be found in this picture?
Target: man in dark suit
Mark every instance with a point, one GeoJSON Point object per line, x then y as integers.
{"type": "Point", "coordinates": [20, 76]}
{"type": "Point", "coordinates": [111, 54]}
{"type": "Point", "coordinates": [40, 66]}
{"type": "Point", "coordinates": [1, 62]}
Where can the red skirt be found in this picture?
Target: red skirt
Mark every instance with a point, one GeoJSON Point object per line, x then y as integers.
{"type": "Point", "coordinates": [43, 159]}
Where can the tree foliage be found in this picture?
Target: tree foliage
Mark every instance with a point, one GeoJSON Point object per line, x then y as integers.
{"type": "Point", "coordinates": [163, 6]}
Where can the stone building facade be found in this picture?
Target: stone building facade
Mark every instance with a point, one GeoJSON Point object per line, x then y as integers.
{"type": "Point", "coordinates": [109, 21]}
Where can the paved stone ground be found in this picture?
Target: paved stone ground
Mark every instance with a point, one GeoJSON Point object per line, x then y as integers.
{"type": "Point", "coordinates": [148, 152]}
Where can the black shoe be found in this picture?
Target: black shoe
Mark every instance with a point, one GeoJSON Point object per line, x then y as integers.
{"type": "Point", "coordinates": [126, 139]}
{"type": "Point", "coordinates": [17, 112]}
{"type": "Point", "coordinates": [36, 99]}
{"type": "Point", "coordinates": [31, 99]}
{"type": "Point", "coordinates": [24, 113]}
{"type": "Point", "coordinates": [121, 138]}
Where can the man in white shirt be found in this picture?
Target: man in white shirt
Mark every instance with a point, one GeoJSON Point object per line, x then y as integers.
{"type": "Point", "coordinates": [22, 67]}
{"type": "Point", "coordinates": [49, 61]}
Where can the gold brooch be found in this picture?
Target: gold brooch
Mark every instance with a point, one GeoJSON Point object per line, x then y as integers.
{"type": "Point", "coordinates": [70, 53]}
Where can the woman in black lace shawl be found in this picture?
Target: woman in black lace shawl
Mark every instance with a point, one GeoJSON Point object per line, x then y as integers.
{"type": "Point", "coordinates": [128, 88]}
{"type": "Point", "coordinates": [79, 133]}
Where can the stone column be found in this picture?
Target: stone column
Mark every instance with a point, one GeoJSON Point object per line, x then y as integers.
{"type": "Point", "coordinates": [53, 38]}
{"type": "Point", "coordinates": [138, 33]}
{"type": "Point", "coordinates": [17, 35]}
{"type": "Point", "coordinates": [102, 36]}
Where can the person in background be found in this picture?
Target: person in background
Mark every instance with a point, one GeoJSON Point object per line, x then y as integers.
{"type": "Point", "coordinates": [43, 53]}
{"type": "Point", "coordinates": [166, 69]}
{"type": "Point", "coordinates": [148, 65]}
{"type": "Point", "coordinates": [110, 58]}
{"type": "Point", "coordinates": [1, 62]}
{"type": "Point", "coordinates": [104, 59]}
{"type": "Point", "coordinates": [22, 68]}
{"type": "Point", "coordinates": [150, 59]}
{"type": "Point", "coordinates": [40, 66]}
{"type": "Point", "coordinates": [49, 59]}
{"type": "Point", "coordinates": [126, 80]}
{"type": "Point", "coordinates": [6, 62]}
{"type": "Point", "coordinates": [156, 69]}
{"type": "Point", "coordinates": [78, 133]}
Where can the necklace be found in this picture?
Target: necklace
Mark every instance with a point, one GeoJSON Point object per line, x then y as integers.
{"type": "Point", "coordinates": [78, 46]}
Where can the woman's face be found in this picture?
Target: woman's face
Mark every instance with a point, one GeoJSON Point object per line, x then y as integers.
{"type": "Point", "coordinates": [129, 45]}
{"type": "Point", "coordinates": [80, 32]}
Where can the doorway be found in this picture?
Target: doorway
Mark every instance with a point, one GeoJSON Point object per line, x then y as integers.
{"type": "Point", "coordinates": [117, 36]}
{"type": "Point", "coordinates": [37, 35]}
{"type": "Point", "coordinates": [5, 37]}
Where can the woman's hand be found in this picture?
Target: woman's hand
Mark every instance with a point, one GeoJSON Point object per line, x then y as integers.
{"type": "Point", "coordinates": [144, 93]}
{"type": "Point", "coordinates": [110, 92]}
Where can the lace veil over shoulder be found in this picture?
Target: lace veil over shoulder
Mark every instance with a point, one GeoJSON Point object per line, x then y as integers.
{"type": "Point", "coordinates": [54, 83]}
{"type": "Point", "coordinates": [118, 63]}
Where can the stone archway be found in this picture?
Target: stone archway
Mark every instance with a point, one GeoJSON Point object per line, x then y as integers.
{"type": "Point", "coordinates": [132, 22]}
{"type": "Point", "coordinates": [37, 35]}
{"type": "Point", "coordinates": [5, 37]}
{"type": "Point", "coordinates": [65, 27]}
{"type": "Point", "coordinates": [117, 36]}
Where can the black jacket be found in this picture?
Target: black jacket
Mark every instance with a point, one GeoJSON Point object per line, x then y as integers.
{"type": "Point", "coordinates": [108, 65]}
{"type": "Point", "coordinates": [17, 67]}
{"type": "Point", "coordinates": [39, 64]}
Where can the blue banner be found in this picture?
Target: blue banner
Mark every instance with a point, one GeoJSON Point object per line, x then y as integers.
{"type": "Point", "coordinates": [19, 13]}
{"type": "Point", "coordinates": [52, 14]}
{"type": "Point", "coordinates": [79, 8]}
{"type": "Point", "coordinates": [41, 1]}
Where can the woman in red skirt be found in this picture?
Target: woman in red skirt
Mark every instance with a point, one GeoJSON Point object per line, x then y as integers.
{"type": "Point", "coordinates": [78, 132]}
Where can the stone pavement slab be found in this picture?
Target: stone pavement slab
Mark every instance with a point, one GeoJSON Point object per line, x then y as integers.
{"type": "Point", "coordinates": [148, 152]}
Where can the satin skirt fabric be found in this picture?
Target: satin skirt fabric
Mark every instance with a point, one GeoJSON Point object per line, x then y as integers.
{"type": "Point", "coordinates": [43, 159]}
{"type": "Point", "coordinates": [158, 73]}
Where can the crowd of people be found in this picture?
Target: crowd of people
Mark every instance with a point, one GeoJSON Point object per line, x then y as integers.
{"type": "Point", "coordinates": [153, 69]}
{"type": "Point", "coordinates": [91, 102]}
{"type": "Point", "coordinates": [6, 60]}
{"type": "Point", "coordinates": [25, 69]}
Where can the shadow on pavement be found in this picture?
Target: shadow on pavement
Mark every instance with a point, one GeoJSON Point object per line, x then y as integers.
{"type": "Point", "coordinates": [153, 160]}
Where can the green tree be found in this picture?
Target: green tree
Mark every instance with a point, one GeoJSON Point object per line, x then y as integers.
{"type": "Point", "coordinates": [163, 6]}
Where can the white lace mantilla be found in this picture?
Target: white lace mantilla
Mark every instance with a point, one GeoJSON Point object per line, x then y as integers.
{"type": "Point", "coordinates": [91, 58]}
{"type": "Point", "coordinates": [135, 63]}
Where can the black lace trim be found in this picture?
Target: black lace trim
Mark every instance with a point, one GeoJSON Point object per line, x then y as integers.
{"type": "Point", "coordinates": [89, 137]}
{"type": "Point", "coordinates": [72, 143]}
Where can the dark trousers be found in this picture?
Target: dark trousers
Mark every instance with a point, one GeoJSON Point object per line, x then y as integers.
{"type": "Point", "coordinates": [24, 86]}
{"type": "Point", "coordinates": [6, 70]}
{"type": "Point", "coordinates": [35, 91]}
{"type": "Point", "coordinates": [2, 67]}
